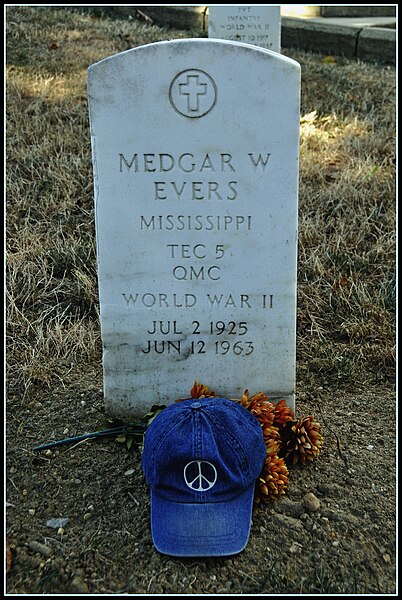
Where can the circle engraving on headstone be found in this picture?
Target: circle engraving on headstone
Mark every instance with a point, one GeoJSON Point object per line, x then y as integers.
{"type": "Point", "coordinates": [193, 93]}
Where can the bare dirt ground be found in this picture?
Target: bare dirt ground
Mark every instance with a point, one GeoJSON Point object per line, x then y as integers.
{"type": "Point", "coordinates": [346, 340]}
{"type": "Point", "coordinates": [347, 546]}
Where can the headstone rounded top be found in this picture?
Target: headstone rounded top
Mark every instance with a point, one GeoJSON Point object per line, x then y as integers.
{"type": "Point", "coordinates": [197, 44]}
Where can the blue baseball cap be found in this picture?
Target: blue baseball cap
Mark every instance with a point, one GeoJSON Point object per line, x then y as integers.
{"type": "Point", "coordinates": [201, 459]}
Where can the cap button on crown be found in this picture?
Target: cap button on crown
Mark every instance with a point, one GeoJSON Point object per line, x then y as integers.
{"type": "Point", "coordinates": [196, 405]}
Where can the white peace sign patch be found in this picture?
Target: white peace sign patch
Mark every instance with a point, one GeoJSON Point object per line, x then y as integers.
{"type": "Point", "coordinates": [200, 475]}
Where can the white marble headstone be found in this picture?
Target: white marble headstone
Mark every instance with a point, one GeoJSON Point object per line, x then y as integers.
{"type": "Point", "coordinates": [195, 152]}
{"type": "Point", "coordinates": [259, 25]}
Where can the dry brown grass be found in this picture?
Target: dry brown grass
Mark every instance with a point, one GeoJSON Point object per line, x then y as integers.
{"type": "Point", "coordinates": [347, 237]}
{"type": "Point", "coordinates": [346, 278]}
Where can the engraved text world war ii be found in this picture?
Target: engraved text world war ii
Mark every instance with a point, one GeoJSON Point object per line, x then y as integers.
{"type": "Point", "coordinates": [259, 25]}
{"type": "Point", "coordinates": [195, 151]}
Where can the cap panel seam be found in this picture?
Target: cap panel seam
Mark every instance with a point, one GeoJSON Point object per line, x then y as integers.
{"type": "Point", "coordinates": [164, 435]}
{"type": "Point", "coordinates": [197, 434]}
{"type": "Point", "coordinates": [198, 446]}
{"type": "Point", "coordinates": [234, 442]}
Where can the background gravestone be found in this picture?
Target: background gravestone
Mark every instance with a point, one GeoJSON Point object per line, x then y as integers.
{"type": "Point", "coordinates": [195, 153]}
{"type": "Point", "coordinates": [259, 25]}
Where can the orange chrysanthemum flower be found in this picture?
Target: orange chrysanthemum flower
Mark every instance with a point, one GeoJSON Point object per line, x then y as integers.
{"type": "Point", "coordinates": [273, 480]}
{"type": "Point", "coordinates": [282, 414]}
{"type": "Point", "coordinates": [301, 440]}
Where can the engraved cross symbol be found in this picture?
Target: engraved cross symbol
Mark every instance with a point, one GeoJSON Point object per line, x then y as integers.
{"type": "Point", "coordinates": [192, 93]}
{"type": "Point", "coordinates": [193, 89]}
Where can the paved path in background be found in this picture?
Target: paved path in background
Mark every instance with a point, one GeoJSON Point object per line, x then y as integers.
{"type": "Point", "coordinates": [368, 38]}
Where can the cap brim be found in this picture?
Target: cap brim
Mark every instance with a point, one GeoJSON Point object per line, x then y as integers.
{"type": "Point", "coordinates": [209, 529]}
